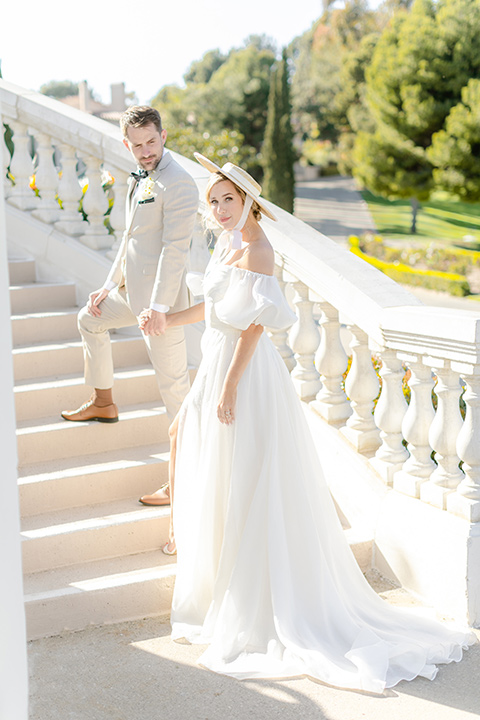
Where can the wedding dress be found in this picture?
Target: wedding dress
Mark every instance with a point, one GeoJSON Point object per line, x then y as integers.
{"type": "Point", "coordinates": [265, 576]}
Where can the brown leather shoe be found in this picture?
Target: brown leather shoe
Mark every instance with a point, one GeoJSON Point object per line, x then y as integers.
{"type": "Point", "coordinates": [160, 497]}
{"type": "Point", "coordinates": [89, 411]}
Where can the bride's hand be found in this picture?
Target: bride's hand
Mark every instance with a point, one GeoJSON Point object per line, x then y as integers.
{"type": "Point", "coordinates": [226, 406]}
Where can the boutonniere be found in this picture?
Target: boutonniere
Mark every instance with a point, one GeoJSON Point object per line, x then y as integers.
{"type": "Point", "coordinates": [145, 191]}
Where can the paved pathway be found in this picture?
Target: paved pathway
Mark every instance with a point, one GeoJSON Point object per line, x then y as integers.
{"type": "Point", "coordinates": [439, 299]}
{"type": "Point", "coordinates": [134, 671]}
{"type": "Point", "coordinates": [333, 206]}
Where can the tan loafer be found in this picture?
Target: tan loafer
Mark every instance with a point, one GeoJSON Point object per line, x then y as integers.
{"type": "Point", "coordinates": [89, 411]}
{"type": "Point", "coordinates": [160, 497]}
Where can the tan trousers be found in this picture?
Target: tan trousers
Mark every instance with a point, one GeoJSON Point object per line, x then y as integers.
{"type": "Point", "coordinates": [168, 352]}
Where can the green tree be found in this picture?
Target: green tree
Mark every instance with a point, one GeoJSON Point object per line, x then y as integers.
{"type": "Point", "coordinates": [262, 42]}
{"type": "Point", "coordinates": [234, 99]}
{"type": "Point", "coordinates": [238, 93]}
{"type": "Point", "coordinates": [171, 102]}
{"type": "Point", "coordinates": [353, 114]}
{"type": "Point", "coordinates": [390, 7]}
{"type": "Point", "coordinates": [326, 4]}
{"type": "Point", "coordinates": [200, 71]}
{"type": "Point", "coordinates": [316, 82]}
{"type": "Point", "coordinates": [277, 153]}
{"type": "Point", "coordinates": [353, 22]}
{"type": "Point", "coordinates": [421, 63]}
{"type": "Point", "coordinates": [227, 146]}
{"type": "Point", "coordinates": [319, 56]}
{"type": "Point", "coordinates": [59, 88]}
{"type": "Point", "coordinates": [455, 151]}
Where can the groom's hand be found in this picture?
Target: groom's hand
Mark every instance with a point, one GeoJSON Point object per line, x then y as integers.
{"type": "Point", "coordinates": [152, 322]}
{"type": "Point", "coordinates": [94, 300]}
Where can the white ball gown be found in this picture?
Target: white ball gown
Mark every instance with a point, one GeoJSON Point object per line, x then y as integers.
{"type": "Point", "coordinates": [264, 574]}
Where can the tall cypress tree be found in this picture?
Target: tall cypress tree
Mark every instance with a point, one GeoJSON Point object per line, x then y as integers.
{"type": "Point", "coordinates": [277, 152]}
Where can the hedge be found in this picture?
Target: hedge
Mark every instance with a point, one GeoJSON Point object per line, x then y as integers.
{"type": "Point", "coordinates": [446, 258]}
{"type": "Point", "coordinates": [432, 279]}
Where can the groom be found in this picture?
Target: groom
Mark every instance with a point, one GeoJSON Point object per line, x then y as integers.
{"type": "Point", "coordinates": [147, 278]}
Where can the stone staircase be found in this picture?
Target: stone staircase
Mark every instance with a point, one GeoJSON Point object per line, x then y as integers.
{"type": "Point", "coordinates": [90, 551]}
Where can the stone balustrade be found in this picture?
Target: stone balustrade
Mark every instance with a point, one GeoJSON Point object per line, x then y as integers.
{"type": "Point", "coordinates": [430, 453]}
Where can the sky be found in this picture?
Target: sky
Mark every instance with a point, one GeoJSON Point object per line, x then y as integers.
{"type": "Point", "coordinates": [146, 44]}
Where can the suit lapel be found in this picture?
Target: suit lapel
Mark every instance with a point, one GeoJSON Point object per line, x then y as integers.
{"type": "Point", "coordinates": [164, 162]}
{"type": "Point", "coordinates": [131, 204]}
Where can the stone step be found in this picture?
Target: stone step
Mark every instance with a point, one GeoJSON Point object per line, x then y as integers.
{"type": "Point", "coordinates": [100, 592]}
{"type": "Point", "coordinates": [49, 396]}
{"type": "Point", "coordinates": [362, 545]}
{"type": "Point", "coordinates": [21, 270]}
{"type": "Point", "coordinates": [92, 479]}
{"type": "Point", "coordinates": [91, 552]}
{"type": "Point", "coordinates": [105, 591]}
{"type": "Point", "coordinates": [45, 327]}
{"type": "Point", "coordinates": [35, 297]}
{"type": "Point", "coordinates": [81, 535]}
{"type": "Point", "coordinates": [52, 438]}
{"type": "Point", "coordinates": [46, 359]}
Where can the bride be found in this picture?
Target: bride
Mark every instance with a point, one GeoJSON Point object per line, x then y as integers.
{"type": "Point", "coordinates": [265, 576]}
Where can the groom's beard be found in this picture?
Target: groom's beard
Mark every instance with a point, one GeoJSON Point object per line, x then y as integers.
{"type": "Point", "coordinates": [150, 164]}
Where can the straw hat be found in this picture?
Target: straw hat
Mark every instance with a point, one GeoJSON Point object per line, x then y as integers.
{"type": "Point", "coordinates": [240, 178]}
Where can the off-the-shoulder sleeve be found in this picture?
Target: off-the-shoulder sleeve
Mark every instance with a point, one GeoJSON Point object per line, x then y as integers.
{"type": "Point", "coordinates": [194, 282]}
{"type": "Point", "coordinates": [254, 298]}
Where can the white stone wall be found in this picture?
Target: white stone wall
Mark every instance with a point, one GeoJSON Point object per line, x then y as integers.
{"type": "Point", "coordinates": [13, 653]}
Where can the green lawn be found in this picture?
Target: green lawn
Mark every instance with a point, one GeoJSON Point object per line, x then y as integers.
{"type": "Point", "coordinates": [442, 218]}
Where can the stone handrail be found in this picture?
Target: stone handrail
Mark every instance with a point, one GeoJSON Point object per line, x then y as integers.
{"type": "Point", "coordinates": [438, 348]}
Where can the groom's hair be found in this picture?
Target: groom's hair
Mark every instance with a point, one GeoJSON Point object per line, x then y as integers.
{"type": "Point", "coordinates": [139, 116]}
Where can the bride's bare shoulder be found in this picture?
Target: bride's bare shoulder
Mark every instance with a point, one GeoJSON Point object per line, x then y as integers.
{"type": "Point", "coordinates": [259, 257]}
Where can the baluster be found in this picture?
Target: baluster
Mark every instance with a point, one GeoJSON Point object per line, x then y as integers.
{"type": "Point", "coordinates": [443, 434]}
{"type": "Point", "coordinates": [304, 339]}
{"type": "Point", "coordinates": [466, 501]}
{"type": "Point", "coordinates": [389, 413]}
{"type": "Point", "coordinates": [331, 361]}
{"type": "Point", "coordinates": [95, 205]}
{"type": "Point", "coordinates": [46, 180]}
{"type": "Point", "coordinates": [280, 337]}
{"type": "Point", "coordinates": [21, 194]}
{"type": "Point", "coordinates": [117, 214]}
{"type": "Point", "coordinates": [6, 162]}
{"type": "Point", "coordinates": [415, 428]}
{"type": "Point", "coordinates": [71, 221]}
{"type": "Point", "coordinates": [362, 388]}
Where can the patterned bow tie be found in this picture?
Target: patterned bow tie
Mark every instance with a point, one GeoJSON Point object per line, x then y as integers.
{"type": "Point", "coordinates": [138, 176]}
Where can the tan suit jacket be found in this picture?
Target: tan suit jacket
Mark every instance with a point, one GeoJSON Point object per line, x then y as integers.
{"type": "Point", "coordinates": [151, 261]}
